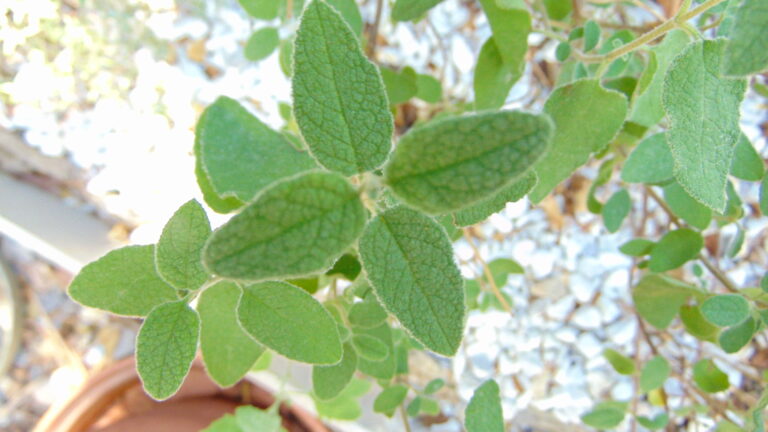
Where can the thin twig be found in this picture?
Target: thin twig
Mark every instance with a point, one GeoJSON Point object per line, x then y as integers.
{"type": "Point", "coordinates": [373, 36]}
{"type": "Point", "coordinates": [486, 271]}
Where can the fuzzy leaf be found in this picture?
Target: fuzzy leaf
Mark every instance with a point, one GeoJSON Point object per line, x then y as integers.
{"type": "Point", "coordinates": [703, 111]}
{"type": "Point", "coordinates": [165, 348]}
{"type": "Point", "coordinates": [650, 162]}
{"type": "Point", "coordinates": [409, 10]}
{"type": "Point", "coordinates": [726, 309]}
{"type": "Point", "coordinates": [658, 299]}
{"type": "Point", "coordinates": [409, 263]}
{"type": "Point", "coordinates": [428, 88]}
{"type": "Point", "coordinates": [675, 249]}
{"type": "Point", "coordinates": [382, 369]}
{"type": "Point", "coordinates": [389, 399]}
{"type": "Point", "coordinates": [241, 155]}
{"type": "Point", "coordinates": [684, 206]}
{"type": "Point", "coordinates": [369, 347]}
{"type": "Point", "coordinates": [737, 337]}
{"type": "Point", "coordinates": [484, 412]}
{"type": "Point", "coordinates": [616, 209]}
{"type": "Point", "coordinates": [286, 319]}
{"type": "Point", "coordinates": [228, 351]}
{"type": "Point", "coordinates": [654, 373]}
{"type": "Point", "coordinates": [621, 363]}
{"type": "Point", "coordinates": [350, 12]}
{"type": "Point", "coordinates": [493, 78]}
{"type": "Point", "coordinates": [709, 377]}
{"type": "Point", "coordinates": [339, 99]}
{"type": "Point", "coordinates": [586, 117]}
{"type": "Point", "coordinates": [481, 210]}
{"type": "Point", "coordinates": [451, 163]}
{"type": "Point", "coordinates": [329, 381]}
{"type": "Point", "coordinates": [179, 250]}
{"type": "Point", "coordinates": [747, 163]}
{"type": "Point", "coordinates": [747, 49]}
{"type": "Point", "coordinates": [295, 227]}
{"type": "Point", "coordinates": [262, 43]}
{"type": "Point", "coordinates": [124, 282]}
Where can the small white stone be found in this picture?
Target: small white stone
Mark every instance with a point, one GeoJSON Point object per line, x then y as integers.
{"type": "Point", "coordinates": [587, 318]}
{"type": "Point", "coordinates": [589, 345]}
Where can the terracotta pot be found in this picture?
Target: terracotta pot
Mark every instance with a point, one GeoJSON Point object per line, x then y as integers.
{"type": "Point", "coordinates": [113, 400]}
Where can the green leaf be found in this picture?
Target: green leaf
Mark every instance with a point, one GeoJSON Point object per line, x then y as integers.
{"type": "Point", "coordinates": [249, 418]}
{"type": "Point", "coordinates": [481, 210]}
{"type": "Point", "coordinates": [285, 55]}
{"type": "Point", "coordinates": [616, 210]}
{"type": "Point", "coordinates": [428, 88]}
{"type": "Point", "coordinates": [217, 203]}
{"type": "Point", "coordinates": [746, 51]}
{"type": "Point", "coordinates": [347, 267]}
{"type": "Point", "coordinates": [401, 86]}
{"type": "Point", "coordinates": [650, 162]}
{"type": "Point", "coordinates": [369, 347]}
{"type": "Point", "coordinates": [586, 117]}
{"type": "Point", "coordinates": [286, 319]}
{"type": "Point", "coordinates": [339, 100]}
{"type": "Point", "coordinates": [726, 309]}
{"type": "Point", "coordinates": [262, 43]}
{"type": "Point", "coordinates": [591, 35]}
{"type": "Point", "coordinates": [367, 314]}
{"type": "Point", "coordinates": [654, 373]}
{"type": "Point", "coordinates": [409, 263]}
{"type": "Point", "coordinates": [658, 299]}
{"type": "Point", "coordinates": [703, 112]}
{"type": "Point", "coordinates": [345, 406]}
{"type": "Point", "coordinates": [604, 417]}
{"type": "Point", "coordinates": [484, 412]}
{"type": "Point", "coordinates": [747, 163]}
{"type": "Point", "coordinates": [737, 337]}
{"type": "Point", "coordinates": [647, 109]}
{"type": "Point", "coordinates": [351, 14]}
{"type": "Point", "coordinates": [410, 10]}
{"type": "Point", "coordinates": [451, 163]}
{"type": "Point", "coordinates": [562, 51]}
{"type": "Point", "coordinates": [228, 352]}
{"type": "Point", "coordinates": [388, 400]}
{"type": "Point", "coordinates": [124, 282]}
{"type": "Point", "coordinates": [684, 206]}
{"type": "Point", "coordinates": [510, 28]}
{"type": "Point", "coordinates": [261, 9]}
{"type": "Point", "coordinates": [383, 369]}
{"type": "Point", "coordinates": [697, 325]}
{"type": "Point", "coordinates": [433, 386]}
{"type": "Point", "coordinates": [165, 348]}
{"type": "Point", "coordinates": [637, 247]}
{"type": "Point", "coordinates": [493, 78]}
{"type": "Point", "coordinates": [709, 377]}
{"type": "Point", "coordinates": [329, 381]}
{"type": "Point", "coordinates": [656, 423]}
{"type": "Point", "coordinates": [675, 249]}
{"type": "Point", "coordinates": [295, 227]}
{"type": "Point", "coordinates": [179, 249]}
{"type": "Point", "coordinates": [227, 423]}
{"type": "Point", "coordinates": [241, 155]}
{"type": "Point", "coordinates": [621, 363]}
{"type": "Point", "coordinates": [558, 9]}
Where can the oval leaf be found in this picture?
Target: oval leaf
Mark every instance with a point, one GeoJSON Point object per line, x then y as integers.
{"type": "Point", "coordinates": [228, 352]}
{"type": "Point", "coordinates": [286, 319]}
{"type": "Point", "coordinates": [709, 377]}
{"type": "Point", "coordinates": [165, 348]}
{"type": "Point", "coordinates": [339, 99]}
{"type": "Point", "coordinates": [747, 49]}
{"type": "Point", "coordinates": [329, 381]}
{"type": "Point", "coordinates": [389, 399]}
{"type": "Point", "coordinates": [241, 155]}
{"type": "Point", "coordinates": [654, 373]}
{"type": "Point", "coordinates": [725, 310]}
{"type": "Point", "coordinates": [369, 347]}
{"type": "Point", "coordinates": [296, 227]}
{"type": "Point", "coordinates": [124, 282]}
{"type": "Point", "coordinates": [409, 262]}
{"type": "Point", "coordinates": [675, 249]}
{"type": "Point", "coordinates": [179, 251]}
{"type": "Point", "coordinates": [451, 163]}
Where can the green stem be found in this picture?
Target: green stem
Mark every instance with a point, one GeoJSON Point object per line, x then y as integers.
{"type": "Point", "coordinates": [652, 35]}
